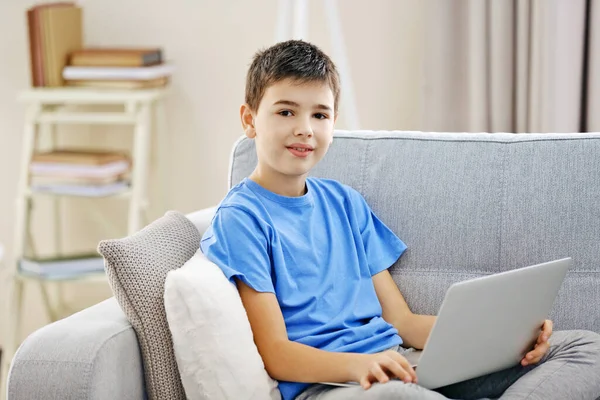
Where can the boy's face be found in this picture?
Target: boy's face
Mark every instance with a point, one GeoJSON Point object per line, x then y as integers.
{"type": "Point", "coordinates": [292, 128]}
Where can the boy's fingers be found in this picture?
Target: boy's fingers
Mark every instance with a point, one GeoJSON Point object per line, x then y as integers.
{"type": "Point", "coordinates": [543, 337]}
{"type": "Point", "coordinates": [536, 355]}
{"type": "Point", "coordinates": [546, 330]}
{"type": "Point", "coordinates": [407, 367]}
{"type": "Point", "coordinates": [411, 371]}
{"type": "Point", "coordinates": [398, 370]}
{"type": "Point", "coordinates": [364, 382]}
{"type": "Point", "coordinates": [534, 360]}
{"type": "Point", "coordinates": [538, 352]}
{"type": "Point", "coordinates": [378, 373]}
{"type": "Point", "coordinates": [544, 348]}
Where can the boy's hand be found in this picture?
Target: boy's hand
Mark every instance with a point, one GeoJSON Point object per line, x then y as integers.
{"type": "Point", "coordinates": [380, 367]}
{"type": "Point", "coordinates": [541, 347]}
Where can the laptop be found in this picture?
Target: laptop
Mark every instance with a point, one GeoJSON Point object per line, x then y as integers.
{"type": "Point", "coordinates": [487, 324]}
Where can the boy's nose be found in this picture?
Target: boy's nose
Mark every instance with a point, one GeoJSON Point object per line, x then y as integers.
{"type": "Point", "coordinates": [304, 130]}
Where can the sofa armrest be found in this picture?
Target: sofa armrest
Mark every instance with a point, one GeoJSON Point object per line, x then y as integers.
{"type": "Point", "coordinates": [202, 218]}
{"type": "Point", "coordinates": [93, 354]}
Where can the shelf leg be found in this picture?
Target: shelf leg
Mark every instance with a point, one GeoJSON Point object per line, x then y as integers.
{"type": "Point", "coordinates": [13, 331]}
{"type": "Point", "coordinates": [140, 168]}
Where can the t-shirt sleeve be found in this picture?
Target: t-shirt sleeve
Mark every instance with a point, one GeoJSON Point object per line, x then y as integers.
{"type": "Point", "coordinates": [237, 242]}
{"type": "Point", "coordinates": [382, 246]}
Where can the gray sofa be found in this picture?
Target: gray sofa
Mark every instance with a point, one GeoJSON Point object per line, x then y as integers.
{"type": "Point", "coordinates": [465, 204]}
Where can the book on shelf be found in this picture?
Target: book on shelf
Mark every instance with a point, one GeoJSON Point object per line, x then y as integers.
{"type": "Point", "coordinates": [119, 84]}
{"type": "Point", "coordinates": [116, 57]}
{"type": "Point", "coordinates": [74, 180]}
{"type": "Point", "coordinates": [82, 190]}
{"type": "Point", "coordinates": [81, 171]}
{"type": "Point", "coordinates": [79, 163]}
{"type": "Point", "coordinates": [78, 172]}
{"type": "Point", "coordinates": [117, 68]}
{"type": "Point", "coordinates": [75, 73]}
{"type": "Point", "coordinates": [55, 30]}
{"type": "Point", "coordinates": [79, 156]}
{"type": "Point", "coordinates": [36, 36]}
{"type": "Point", "coordinates": [70, 265]}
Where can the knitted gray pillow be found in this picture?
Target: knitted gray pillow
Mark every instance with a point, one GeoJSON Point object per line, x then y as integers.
{"type": "Point", "coordinates": [137, 267]}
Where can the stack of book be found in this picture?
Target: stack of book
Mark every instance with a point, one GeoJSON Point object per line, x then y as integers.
{"type": "Point", "coordinates": [62, 267]}
{"type": "Point", "coordinates": [117, 68]}
{"type": "Point", "coordinates": [79, 172]}
{"type": "Point", "coordinates": [55, 30]}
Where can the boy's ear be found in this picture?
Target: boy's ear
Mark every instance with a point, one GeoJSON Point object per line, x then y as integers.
{"type": "Point", "coordinates": [334, 121]}
{"type": "Point", "coordinates": [247, 118]}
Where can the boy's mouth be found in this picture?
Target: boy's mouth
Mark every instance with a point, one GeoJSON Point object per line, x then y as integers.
{"type": "Point", "coordinates": [300, 150]}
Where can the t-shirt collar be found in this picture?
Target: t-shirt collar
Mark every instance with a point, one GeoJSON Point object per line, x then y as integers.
{"type": "Point", "coordinates": [290, 201]}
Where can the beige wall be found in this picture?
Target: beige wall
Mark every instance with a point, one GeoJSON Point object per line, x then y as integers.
{"type": "Point", "coordinates": [211, 43]}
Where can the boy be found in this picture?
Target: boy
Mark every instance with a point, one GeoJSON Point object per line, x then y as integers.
{"type": "Point", "coordinates": [310, 262]}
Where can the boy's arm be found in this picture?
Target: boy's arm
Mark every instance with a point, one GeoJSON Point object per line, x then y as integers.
{"type": "Point", "coordinates": [284, 359]}
{"type": "Point", "coordinates": [290, 361]}
{"type": "Point", "coordinates": [413, 329]}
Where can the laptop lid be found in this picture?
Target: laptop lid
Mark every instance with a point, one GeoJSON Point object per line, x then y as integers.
{"type": "Point", "coordinates": [487, 324]}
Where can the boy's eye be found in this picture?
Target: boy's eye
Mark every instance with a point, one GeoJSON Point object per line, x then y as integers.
{"type": "Point", "coordinates": [320, 116]}
{"type": "Point", "coordinates": [285, 113]}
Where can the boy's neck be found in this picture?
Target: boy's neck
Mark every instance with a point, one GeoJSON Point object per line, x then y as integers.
{"type": "Point", "coordinates": [281, 185]}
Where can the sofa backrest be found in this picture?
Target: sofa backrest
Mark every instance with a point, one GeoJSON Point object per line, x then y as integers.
{"type": "Point", "coordinates": [470, 204]}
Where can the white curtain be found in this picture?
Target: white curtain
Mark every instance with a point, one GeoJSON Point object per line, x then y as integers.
{"type": "Point", "coordinates": [511, 65]}
{"type": "Point", "coordinates": [593, 84]}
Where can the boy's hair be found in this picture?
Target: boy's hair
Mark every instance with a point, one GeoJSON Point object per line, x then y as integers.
{"type": "Point", "coordinates": [298, 60]}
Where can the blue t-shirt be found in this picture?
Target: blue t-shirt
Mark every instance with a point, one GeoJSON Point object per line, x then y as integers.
{"type": "Point", "coordinates": [317, 254]}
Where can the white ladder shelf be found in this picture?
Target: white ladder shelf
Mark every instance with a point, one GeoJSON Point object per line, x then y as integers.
{"type": "Point", "coordinates": [143, 110]}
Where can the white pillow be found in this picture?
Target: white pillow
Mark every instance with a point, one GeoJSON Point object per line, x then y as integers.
{"type": "Point", "coordinates": [212, 338]}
